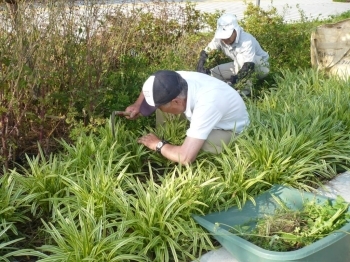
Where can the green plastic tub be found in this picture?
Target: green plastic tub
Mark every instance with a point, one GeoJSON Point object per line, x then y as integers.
{"type": "Point", "coordinates": [333, 248]}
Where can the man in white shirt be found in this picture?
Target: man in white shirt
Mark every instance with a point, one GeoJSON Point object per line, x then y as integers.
{"type": "Point", "coordinates": [215, 110]}
{"type": "Point", "coordinates": [244, 50]}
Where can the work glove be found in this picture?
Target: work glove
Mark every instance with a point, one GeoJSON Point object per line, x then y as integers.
{"type": "Point", "coordinates": [245, 72]}
{"type": "Point", "coordinates": [200, 65]}
{"type": "Point", "coordinates": [233, 80]}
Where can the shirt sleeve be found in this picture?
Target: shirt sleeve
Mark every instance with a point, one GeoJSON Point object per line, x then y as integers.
{"type": "Point", "coordinates": [213, 45]}
{"type": "Point", "coordinates": [247, 52]}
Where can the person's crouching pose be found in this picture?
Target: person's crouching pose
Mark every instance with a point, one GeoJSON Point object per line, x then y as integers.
{"type": "Point", "coordinates": [215, 110]}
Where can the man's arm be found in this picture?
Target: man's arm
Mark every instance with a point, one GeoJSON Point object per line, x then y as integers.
{"type": "Point", "coordinates": [203, 56]}
{"type": "Point", "coordinates": [247, 54]}
{"type": "Point", "coordinates": [184, 154]}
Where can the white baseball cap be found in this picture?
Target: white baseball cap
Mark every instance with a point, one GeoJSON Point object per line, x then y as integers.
{"type": "Point", "coordinates": [225, 26]}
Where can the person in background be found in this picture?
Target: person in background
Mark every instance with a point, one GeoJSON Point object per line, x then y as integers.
{"type": "Point", "coordinates": [215, 110]}
{"type": "Point", "coordinates": [244, 50]}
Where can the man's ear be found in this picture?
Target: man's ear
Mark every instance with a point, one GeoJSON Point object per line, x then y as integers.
{"type": "Point", "coordinates": [175, 100]}
{"type": "Point", "coordinates": [179, 101]}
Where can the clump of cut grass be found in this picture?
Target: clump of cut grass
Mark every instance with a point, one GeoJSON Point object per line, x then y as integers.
{"type": "Point", "coordinates": [289, 229]}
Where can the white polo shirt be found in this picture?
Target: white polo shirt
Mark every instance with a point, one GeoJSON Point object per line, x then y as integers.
{"type": "Point", "coordinates": [212, 104]}
{"type": "Point", "coordinates": [245, 49]}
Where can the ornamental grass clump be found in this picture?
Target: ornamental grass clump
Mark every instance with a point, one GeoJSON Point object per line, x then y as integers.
{"type": "Point", "coordinates": [79, 235]}
{"type": "Point", "coordinates": [14, 218]}
{"type": "Point", "coordinates": [299, 132]}
{"type": "Point", "coordinates": [110, 182]}
{"type": "Point", "coordinates": [92, 191]}
{"type": "Point", "coordinates": [162, 213]}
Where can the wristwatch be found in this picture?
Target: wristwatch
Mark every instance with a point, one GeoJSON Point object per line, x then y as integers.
{"type": "Point", "coordinates": [160, 145]}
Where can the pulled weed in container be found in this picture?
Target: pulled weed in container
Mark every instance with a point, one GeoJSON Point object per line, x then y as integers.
{"type": "Point", "coordinates": [289, 229]}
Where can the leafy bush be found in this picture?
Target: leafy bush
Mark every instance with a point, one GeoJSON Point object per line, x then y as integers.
{"type": "Point", "coordinates": [287, 44]}
{"type": "Point", "coordinates": [79, 66]}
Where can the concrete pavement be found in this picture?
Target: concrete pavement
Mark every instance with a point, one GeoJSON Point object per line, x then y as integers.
{"type": "Point", "coordinates": [291, 10]}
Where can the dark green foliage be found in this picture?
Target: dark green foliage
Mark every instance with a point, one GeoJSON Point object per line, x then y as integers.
{"type": "Point", "coordinates": [288, 44]}
{"type": "Point", "coordinates": [55, 78]}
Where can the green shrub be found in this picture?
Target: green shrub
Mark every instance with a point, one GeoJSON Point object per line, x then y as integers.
{"type": "Point", "coordinates": [77, 68]}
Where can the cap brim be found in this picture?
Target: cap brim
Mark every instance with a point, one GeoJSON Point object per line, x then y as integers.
{"type": "Point", "coordinates": [146, 109]}
{"type": "Point", "coordinates": [223, 34]}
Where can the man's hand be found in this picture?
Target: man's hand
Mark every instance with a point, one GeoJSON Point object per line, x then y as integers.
{"type": "Point", "coordinates": [133, 111]}
{"type": "Point", "coordinates": [184, 154]}
{"type": "Point", "coordinates": [149, 140]}
{"type": "Point", "coordinates": [233, 80]}
{"type": "Point", "coordinates": [244, 73]}
{"type": "Point", "coordinates": [200, 65]}
{"type": "Point", "coordinates": [246, 70]}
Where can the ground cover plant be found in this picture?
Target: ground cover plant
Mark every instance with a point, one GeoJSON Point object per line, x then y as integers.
{"type": "Point", "coordinates": [289, 229]}
{"type": "Point", "coordinates": [71, 191]}
{"type": "Point", "coordinates": [109, 185]}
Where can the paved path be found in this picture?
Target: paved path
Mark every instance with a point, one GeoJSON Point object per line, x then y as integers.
{"type": "Point", "coordinates": [290, 9]}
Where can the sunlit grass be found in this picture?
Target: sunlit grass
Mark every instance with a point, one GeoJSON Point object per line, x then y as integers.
{"type": "Point", "coordinates": [109, 198]}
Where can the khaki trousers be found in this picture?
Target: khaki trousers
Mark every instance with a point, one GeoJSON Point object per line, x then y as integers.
{"type": "Point", "coordinates": [225, 71]}
{"type": "Point", "coordinates": [213, 144]}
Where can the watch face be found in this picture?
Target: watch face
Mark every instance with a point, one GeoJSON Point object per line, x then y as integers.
{"type": "Point", "coordinates": [160, 143]}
